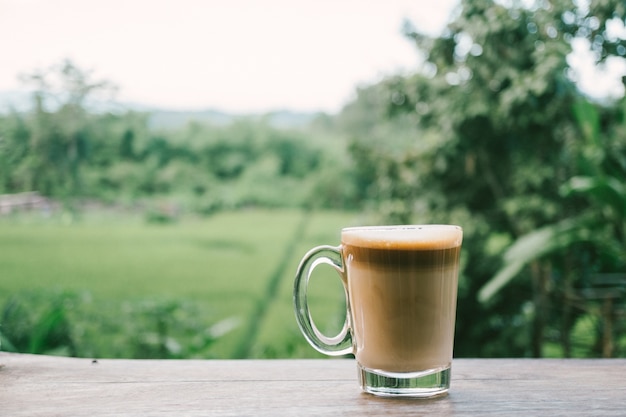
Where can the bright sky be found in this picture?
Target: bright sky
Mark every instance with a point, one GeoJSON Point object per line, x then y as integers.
{"type": "Point", "coordinates": [233, 55]}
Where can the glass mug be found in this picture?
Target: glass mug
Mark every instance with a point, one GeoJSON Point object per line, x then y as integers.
{"type": "Point", "coordinates": [401, 290]}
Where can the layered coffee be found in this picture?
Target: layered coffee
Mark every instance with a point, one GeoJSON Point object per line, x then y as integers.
{"type": "Point", "coordinates": [402, 286]}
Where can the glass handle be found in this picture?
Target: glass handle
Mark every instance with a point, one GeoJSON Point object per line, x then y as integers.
{"type": "Point", "coordinates": [340, 344]}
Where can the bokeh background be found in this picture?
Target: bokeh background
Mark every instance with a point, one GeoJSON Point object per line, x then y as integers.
{"type": "Point", "coordinates": [165, 165]}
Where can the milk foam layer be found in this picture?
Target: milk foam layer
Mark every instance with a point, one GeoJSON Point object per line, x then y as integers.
{"type": "Point", "coordinates": [416, 237]}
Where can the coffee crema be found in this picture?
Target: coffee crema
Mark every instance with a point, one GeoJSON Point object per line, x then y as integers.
{"type": "Point", "coordinates": [432, 236]}
{"type": "Point", "coordinates": [402, 286]}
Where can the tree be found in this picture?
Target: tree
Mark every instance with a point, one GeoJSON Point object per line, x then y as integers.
{"type": "Point", "coordinates": [495, 141]}
{"type": "Point", "coordinates": [600, 181]}
{"type": "Point", "coordinates": [56, 138]}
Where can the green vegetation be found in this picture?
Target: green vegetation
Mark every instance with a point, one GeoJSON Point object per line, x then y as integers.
{"type": "Point", "coordinates": [129, 288]}
{"type": "Point", "coordinates": [490, 133]}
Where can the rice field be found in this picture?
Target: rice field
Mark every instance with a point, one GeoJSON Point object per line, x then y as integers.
{"type": "Point", "coordinates": [217, 287]}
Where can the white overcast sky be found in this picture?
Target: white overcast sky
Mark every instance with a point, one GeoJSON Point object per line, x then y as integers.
{"type": "Point", "coordinates": [235, 55]}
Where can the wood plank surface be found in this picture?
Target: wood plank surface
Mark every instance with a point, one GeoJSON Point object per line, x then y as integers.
{"type": "Point", "coordinates": [32, 385]}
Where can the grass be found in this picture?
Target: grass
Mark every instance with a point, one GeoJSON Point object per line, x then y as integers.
{"type": "Point", "coordinates": [233, 269]}
{"type": "Point", "coordinates": [326, 295]}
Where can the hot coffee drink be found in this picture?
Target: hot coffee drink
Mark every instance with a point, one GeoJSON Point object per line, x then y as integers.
{"type": "Point", "coordinates": [402, 289]}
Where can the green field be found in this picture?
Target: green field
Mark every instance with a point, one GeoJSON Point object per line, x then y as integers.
{"type": "Point", "coordinates": [115, 285]}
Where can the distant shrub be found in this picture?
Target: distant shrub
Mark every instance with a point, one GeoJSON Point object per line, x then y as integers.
{"type": "Point", "coordinates": [70, 324]}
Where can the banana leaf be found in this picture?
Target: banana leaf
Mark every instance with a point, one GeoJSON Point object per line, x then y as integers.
{"type": "Point", "coordinates": [607, 191]}
{"type": "Point", "coordinates": [533, 246]}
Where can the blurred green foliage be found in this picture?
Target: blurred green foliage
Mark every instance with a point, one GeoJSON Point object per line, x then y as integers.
{"type": "Point", "coordinates": [507, 146]}
{"type": "Point", "coordinates": [72, 324]}
{"type": "Point", "coordinates": [490, 132]}
{"type": "Point", "coordinates": [114, 285]}
{"type": "Point", "coordinates": [63, 151]}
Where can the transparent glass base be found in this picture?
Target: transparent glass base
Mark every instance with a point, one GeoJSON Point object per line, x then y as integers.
{"type": "Point", "coordinates": [424, 384]}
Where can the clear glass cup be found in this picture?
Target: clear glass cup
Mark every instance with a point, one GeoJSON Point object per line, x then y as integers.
{"type": "Point", "coordinates": [401, 292]}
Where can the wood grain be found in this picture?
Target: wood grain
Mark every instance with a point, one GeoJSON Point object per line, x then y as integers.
{"type": "Point", "coordinates": [32, 385]}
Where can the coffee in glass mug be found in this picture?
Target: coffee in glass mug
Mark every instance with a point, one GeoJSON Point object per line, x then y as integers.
{"type": "Point", "coordinates": [401, 292]}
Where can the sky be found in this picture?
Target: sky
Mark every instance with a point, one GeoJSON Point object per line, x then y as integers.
{"type": "Point", "coordinates": [234, 55]}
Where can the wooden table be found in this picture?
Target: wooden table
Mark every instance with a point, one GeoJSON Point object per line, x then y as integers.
{"type": "Point", "coordinates": [32, 385]}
